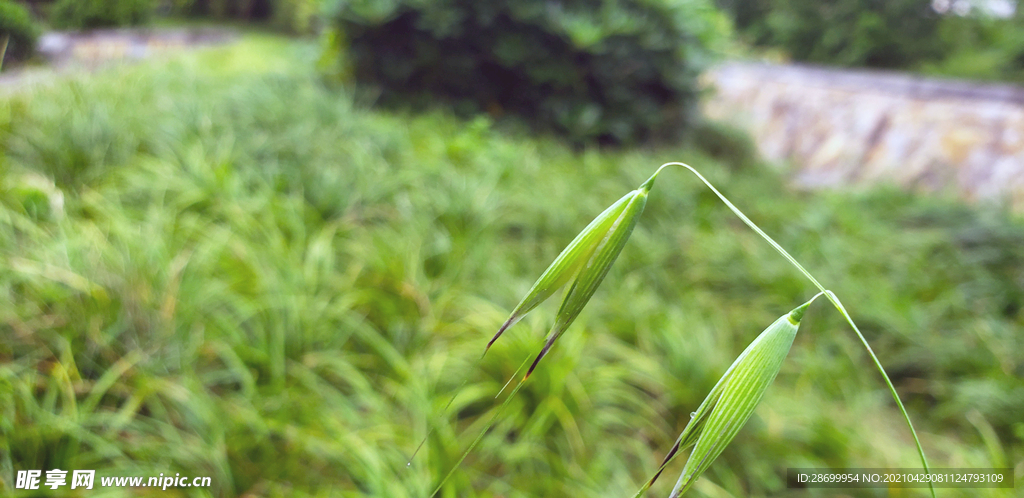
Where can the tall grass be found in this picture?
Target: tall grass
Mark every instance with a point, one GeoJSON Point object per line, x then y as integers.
{"type": "Point", "coordinates": [253, 278]}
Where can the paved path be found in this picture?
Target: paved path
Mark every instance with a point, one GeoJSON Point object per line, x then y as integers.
{"type": "Point", "coordinates": [73, 52]}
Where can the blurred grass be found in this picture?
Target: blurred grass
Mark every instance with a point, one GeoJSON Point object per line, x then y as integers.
{"type": "Point", "coordinates": [216, 266]}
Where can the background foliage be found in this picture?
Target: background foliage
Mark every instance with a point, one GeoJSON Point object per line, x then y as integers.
{"type": "Point", "coordinates": [256, 279]}
{"type": "Point", "coordinates": [293, 16]}
{"type": "Point", "coordinates": [299, 17]}
{"type": "Point", "coordinates": [76, 14]}
{"type": "Point", "coordinates": [895, 34]}
{"type": "Point", "coordinates": [874, 33]}
{"type": "Point", "coordinates": [610, 71]}
{"type": "Point", "coordinates": [981, 48]}
{"type": "Point", "coordinates": [16, 23]}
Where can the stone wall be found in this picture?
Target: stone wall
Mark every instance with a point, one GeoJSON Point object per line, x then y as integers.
{"type": "Point", "coordinates": [842, 128]}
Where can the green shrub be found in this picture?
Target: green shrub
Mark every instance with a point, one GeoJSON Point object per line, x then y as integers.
{"type": "Point", "coordinates": [100, 13]}
{"type": "Point", "coordinates": [19, 31]}
{"type": "Point", "coordinates": [613, 71]}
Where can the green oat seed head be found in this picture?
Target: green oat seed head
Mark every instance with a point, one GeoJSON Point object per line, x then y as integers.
{"type": "Point", "coordinates": [566, 264]}
{"type": "Point", "coordinates": [585, 261]}
{"type": "Point", "coordinates": [732, 401]}
{"type": "Point", "coordinates": [594, 271]}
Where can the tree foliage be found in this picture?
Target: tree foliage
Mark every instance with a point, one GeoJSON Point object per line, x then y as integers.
{"type": "Point", "coordinates": [895, 34]}
{"type": "Point", "coordinates": [19, 30]}
{"type": "Point", "coordinates": [873, 33]}
{"type": "Point", "coordinates": [77, 14]}
{"type": "Point", "coordinates": [294, 16]}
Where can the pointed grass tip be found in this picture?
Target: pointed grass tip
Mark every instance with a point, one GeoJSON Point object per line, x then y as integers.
{"type": "Point", "coordinates": [798, 314]}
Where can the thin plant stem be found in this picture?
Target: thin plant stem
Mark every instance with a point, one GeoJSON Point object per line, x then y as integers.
{"type": "Point", "coordinates": [828, 294]}
{"type": "Point", "coordinates": [480, 436]}
{"type": "Point", "coordinates": [452, 400]}
{"type": "Point", "coordinates": [3, 50]}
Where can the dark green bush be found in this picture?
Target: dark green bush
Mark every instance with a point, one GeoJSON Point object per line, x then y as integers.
{"type": "Point", "coordinates": [77, 14]}
{"type": "Point", "coordinates": [19, 31]}
{"type": "Point", "coordinates": [612, 71]}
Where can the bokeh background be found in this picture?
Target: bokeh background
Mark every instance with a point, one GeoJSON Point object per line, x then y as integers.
{"type": "Point", "coordinates": [266, 241]}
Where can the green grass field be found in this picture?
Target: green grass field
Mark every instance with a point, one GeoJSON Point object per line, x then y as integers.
{"type": "Point", "coordinates": [217, 266]}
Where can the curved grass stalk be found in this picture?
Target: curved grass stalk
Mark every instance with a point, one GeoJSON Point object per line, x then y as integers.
{"type": "Point", "coordinates": [828, 294]}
